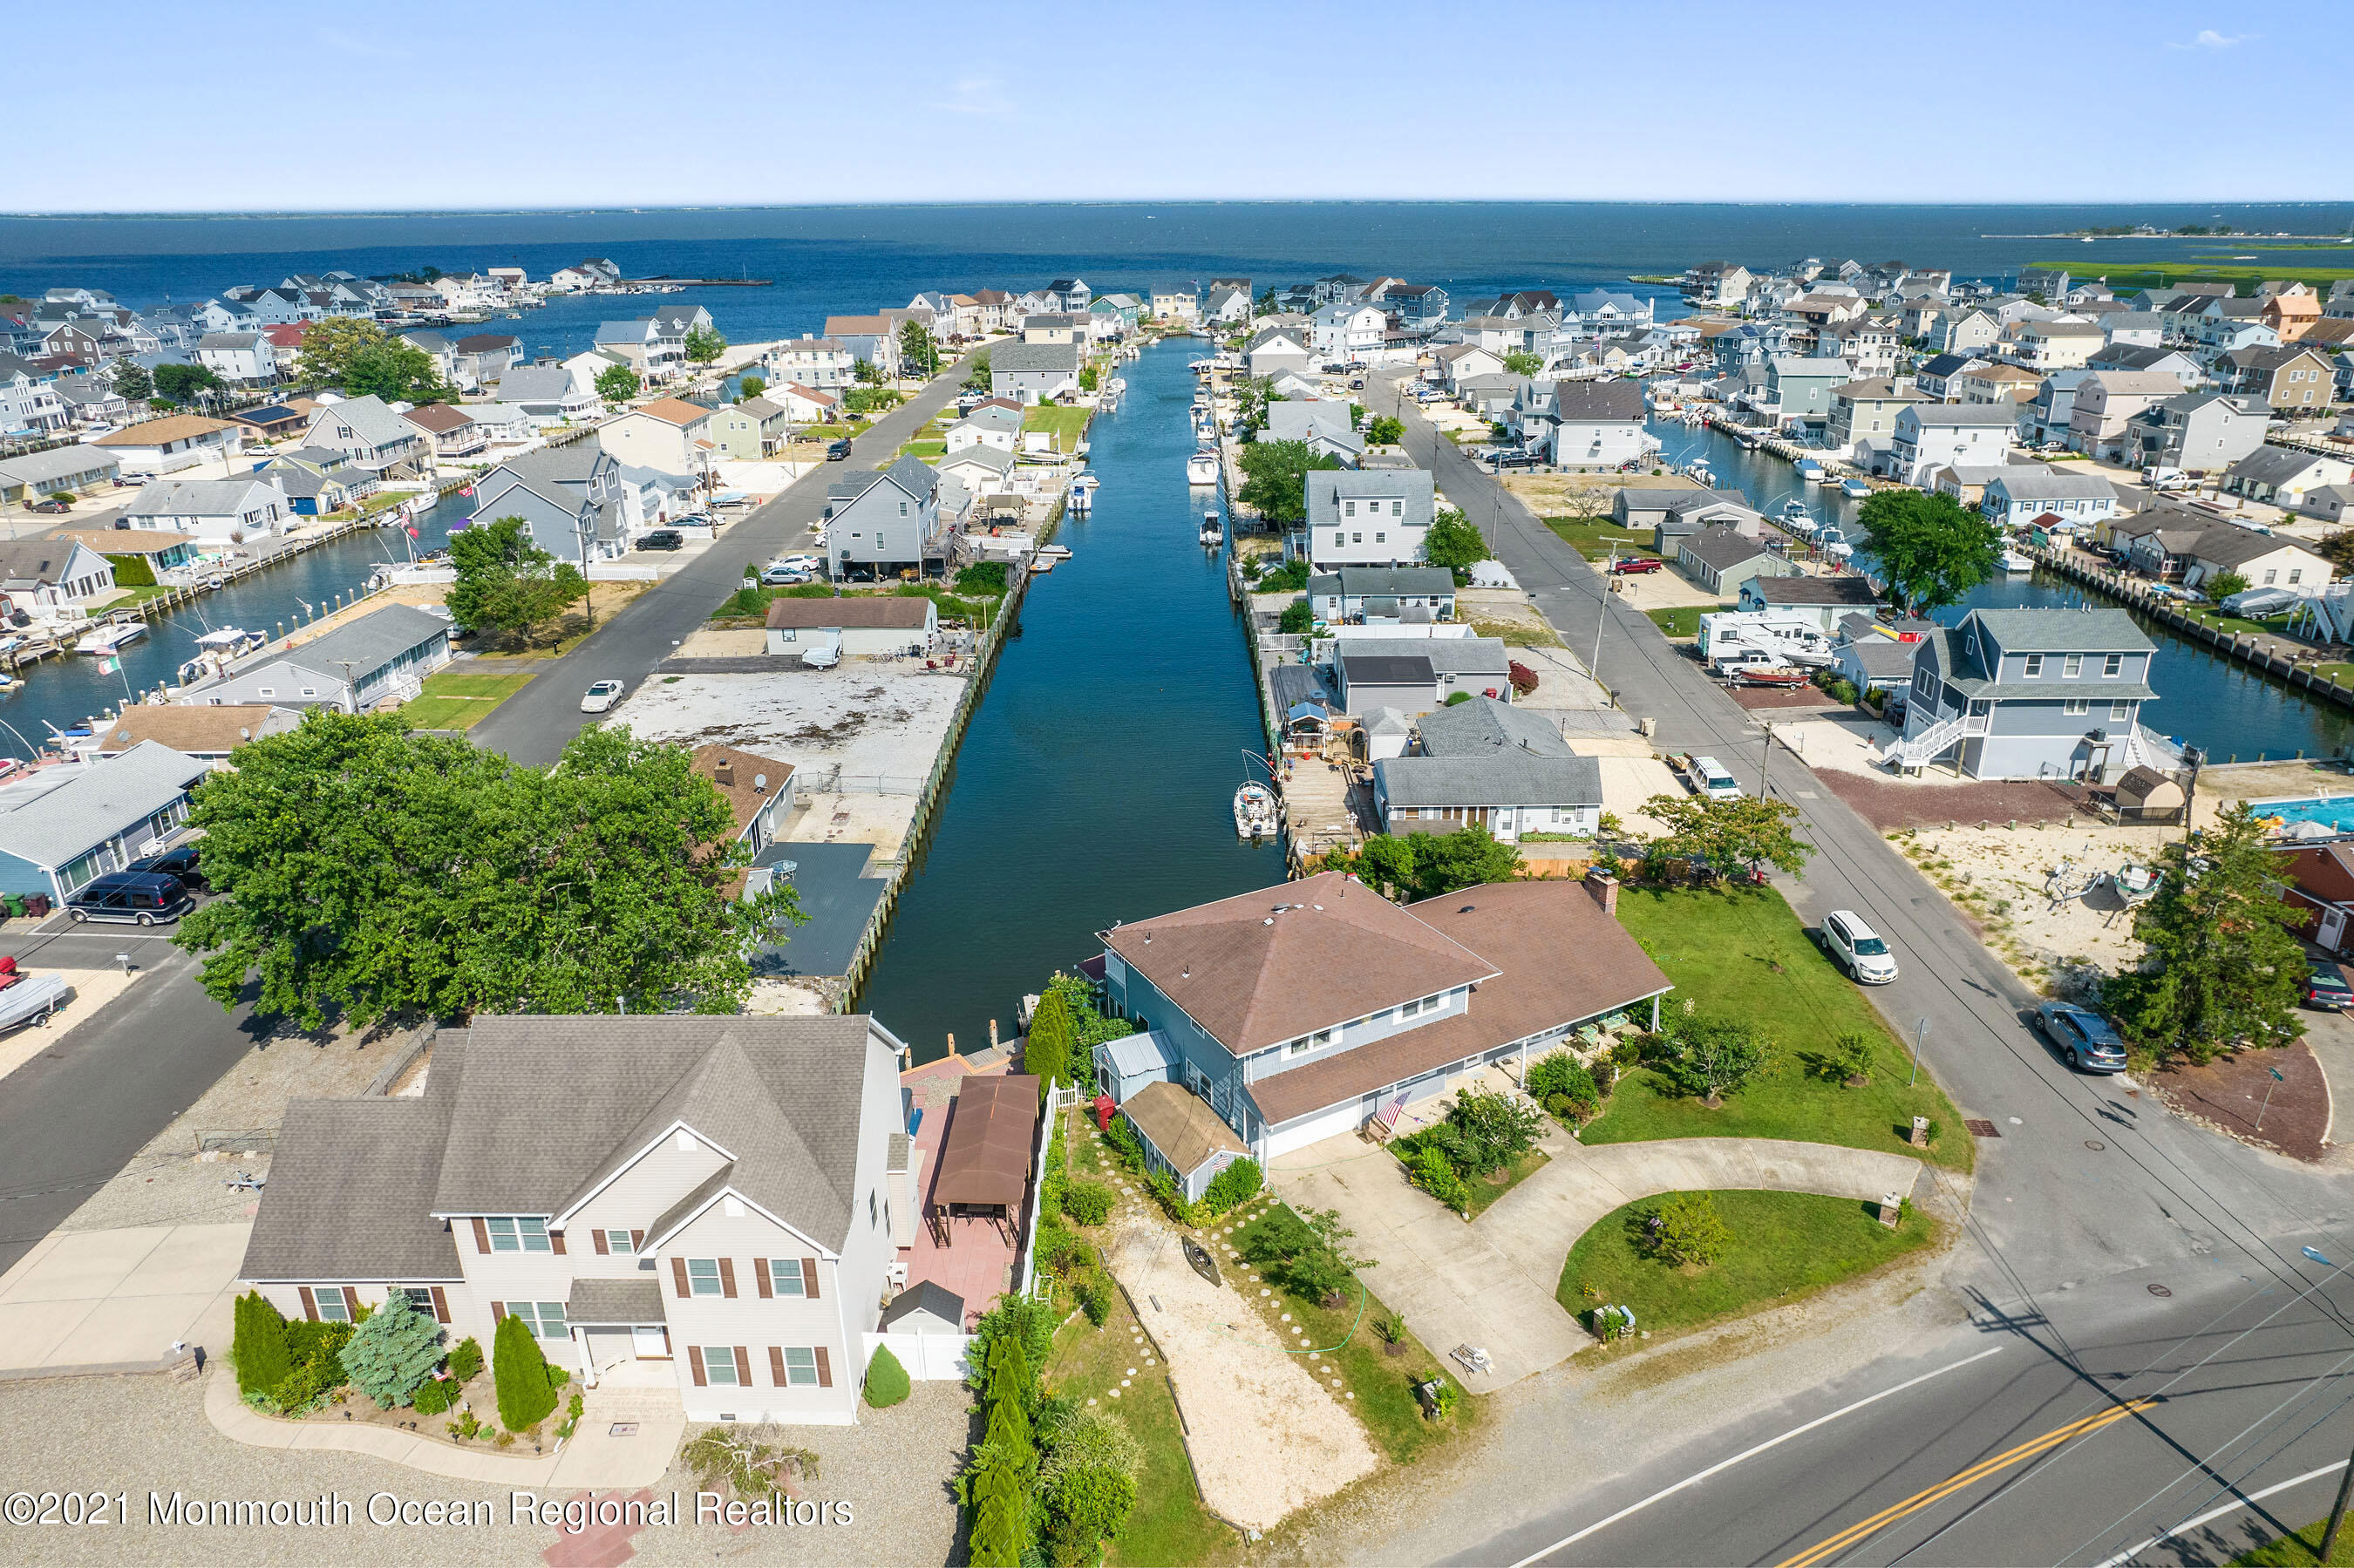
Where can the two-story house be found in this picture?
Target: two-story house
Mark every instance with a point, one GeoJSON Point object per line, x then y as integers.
{"type": "Point", "coordinates": [1865, 411]}
{"type": "Point", "coordinates": [571, 497]}
{"type": "Point", "coordinates": [882, 520]}
{"type": "Point", "coordinates": [2292, 380]}
{"type": "Point", "coordinates": [873, 339]}
{"type": "Point", "coordinates": [1930, 436]}
{"type": "Point", "coordinates": [668, 434]}
{"type": "Point", "coordinates": [1369, 517]}
{"type": "Point", "coordinates": [1596, 424]}
{"type": "Point", "coordinates": [1301, 1013]}
{"type": "Point", "coordinates": [547, 394]}
{"type": "Point", "coordinates": [367, 431]}
{"type": "Point", "coordinates": [2032, 694]}
{"type": "Point", "coordinates": [2199, 432]}
{"type": "Point", "coordinates": [1801, 389]}
{"type": "Point", "coordinates": [714, 1214]}
{"type": "Point", "coordinates": [1033, 373]}
{"type": "Point", "coordinates": [818, 363]}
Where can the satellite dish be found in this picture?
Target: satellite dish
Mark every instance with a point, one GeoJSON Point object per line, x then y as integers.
{"type": "Point", "coordinates": [759, 782]}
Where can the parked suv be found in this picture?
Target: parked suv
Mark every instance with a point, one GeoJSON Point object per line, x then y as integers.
{"type": "Point", "coordinates": [2084, 1037]}
{"type": "Point", "coordinates": [131, 898]}
{"type": "Point", "coordinates": [837, 451]}
{"type": "Point", "coordinates": [662, 539]}
{"type": "Point", "coordinates": [1855, 946]}
{"type": "Point", "coordinates": [179, 861]}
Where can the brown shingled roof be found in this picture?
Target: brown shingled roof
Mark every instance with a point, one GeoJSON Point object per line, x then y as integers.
{"type": "Point", "coordinates": [193, 727]}
{"type": "Point", "coordinates": [734, 772]}
{"type": "Point", "coordinates": [892, 612]}
{"type": "Point", "coordinates": [155, 433]}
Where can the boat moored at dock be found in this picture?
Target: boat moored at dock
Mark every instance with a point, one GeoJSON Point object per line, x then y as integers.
{"type": "Point", "coordinates": [1202, 468]}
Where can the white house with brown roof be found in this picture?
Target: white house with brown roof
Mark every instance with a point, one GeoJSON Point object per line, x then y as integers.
{"type": "Point", "coordinates": [865, 623]}
{"type": "Point", "coordinates": [201, 730]}
{"type": "Point", "coordinates": [669, 434]}
{"type": "Point", "coordinates": [173, 442]}
{"type": "Point", "coordinates": [758, 791]}
{"type": "Point", "coordinates": [1304, 1011]}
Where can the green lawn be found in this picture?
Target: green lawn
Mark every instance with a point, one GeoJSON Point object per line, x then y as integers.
{"type": "Point", "coordinates": [1594, 537]}
{"type": "Point", "coordinates": [925, 449]}
{"type": "Point", "coordinates": [2275, 627]}
{"type": "Point", "coordinates": [1065, 424]}
{"type": "Point", "coordinates": [2163, 274]}
{"type": "Point", "coordinates": [1681, 622]}
{"type": "Point", "coordinates": [1517, 634]}
{"type": "Point", "coordinates": [1745, 954]}
{"type": "Point", "coordinates": [2299, 1551]}
{"type": "Point", "coordinates": [1485, 1191]}
{"type": "Point", "coordinates": [1169, 1524]}
{"type": "Point", "coordinates": [1785, 1246]}
{"type": "Point", "coordinates": [452, 699]}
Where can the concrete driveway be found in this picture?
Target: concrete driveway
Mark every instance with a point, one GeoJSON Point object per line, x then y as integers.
{"type": "Point", "coordinates": [119, 1298]}
{"type": "Point", "coordinates": [1491, 1283]}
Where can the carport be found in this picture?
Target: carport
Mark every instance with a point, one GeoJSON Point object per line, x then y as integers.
{"type": "Point", "coordinates": [984, 1173]}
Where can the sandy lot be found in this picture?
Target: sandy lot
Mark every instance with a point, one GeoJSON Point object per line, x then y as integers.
{"type": "Point", "coordinates": [1267, 1438]}
{"type": "Point", "coordinates": [867, 719]}
{"type": "Point", "coordinates": [882, 821]}
{"type": "Point", "coordinates": [1586, 495]}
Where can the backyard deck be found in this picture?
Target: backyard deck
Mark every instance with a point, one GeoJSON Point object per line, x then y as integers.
{"type": "Point", "coordinates": [975, 1260]}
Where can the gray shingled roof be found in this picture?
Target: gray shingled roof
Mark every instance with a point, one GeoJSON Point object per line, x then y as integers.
{"type": "Point", "coordinates": [2035, 483]}
{"type": "Point", "coordinates": [1423, 581]}
{"type": "Point", "coordinates": [1447, 655]}
{"type": "Point", "coordinates": [368, 643]}
{"type": "Point", "coordinates": [1506, 779]}
{"type": "Point", "coordinates": [1721, 547]}
{"type": "Point", "coordinates": [91, 805]}
{"type": "Point", "coordinates": [1814, 590]}
{"type": "Point", "coordinates": [553, 1106]}
{"type": "Point", "coordinates": [48, 467]}
{"type": "Point", "coordinates": [2029, 630]}
{"type": "Point", "coordinates": [635, 1300]}
{"type": "Point", "coordinates": [1580, 402]}
{"type": "Point", "coordinates": [372, 418]}
{"type": "Point", "coordinates": [1485, 727]}
{"type": "Point", "coordinates": [536, 384]}
{"type": "Point", "coordinates": [1015, 356]}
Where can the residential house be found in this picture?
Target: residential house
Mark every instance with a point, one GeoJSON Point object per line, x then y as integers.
{"type": "Point", "coordinates": [1347, 333]}
{"type": "Point", "coordinates": [1671, 515]}
{"type": "Point", "coordinates": [275, 421]}
{"type": "Point", "coordinates": [479, 359]}
{"type": "Point", "coordinates": [1056, 326]}
{"type": "Point", "coordinates": [547, 394]}
{"type": "Point", "coordinates": [1598, 424]}
{"type": "Point", "coordinates": [2044, 283]}
{"type": "Point", "coordinates": [57, 471]}
{"type": "Point", "coordinates": [2100, 419]}
{"type": "Point", "coordinates": [89, 399]}
{"type": "Point", "coordinates": [1486, 763]}
{"type": "Point", "coordinates": [1866, 411]}
{"type": "Point", "coordinates": [993, 426]}
{"type": "Point", "coordinates": [872, 338]}
{"type": "Point", "coordinates": [453, 432]}
{"type": "Point", "coordinates": [241, 358]}
{"type": "Point", "coordinates": [669, 434]}
{"type": "Point", "coordinates": [982, 470]}
{"type": "Point", "coordinates": [1176, 305]}
{"type": "Point", "coordinates": [28, 405]}
{"type": "Point", "coordinates": [1829, 599]}
{"type": "Point", "coordinates": [367, 432]}
{"type": "Point", "coordinates": [2290, 313]}
{"type": "Point", "coordinates": [1721, 559]}
{"type": "Point", "coordinates": [885, 519]}
{"type": "Point", "coordinates": [1457, 362]}
{"type": "Point", "coordinates": [1276, 350]}
{"type": "Point", "coordinates": [2172, 542]}
{"type": "Point", "coordinates": [65, 827]}
{"type": "Point", "coordinates": [721, 1184]}
{"type": "Point", "coordinates": [771, 424]}
{"type": "Point", "coordinates": [1934, 377]}
{"type": "Point", "coordinates": [2330, 503]}
{"type": "Point", "coordinates": [160, 553]}
{"type": "Point", "coordinates": [318, 480]}
{"type": "Point", "coordinates": [197, 730]}
{"type": "Point", "coordinates": [173, 442]}
{"type": "Point", "coordinates": [572, 497]}
{"type": "Point", "coordinates": [639, 342]}
{"type": "Point", "coordinates": [817, 363]}
{"type": "Point", "coordinates": [2026, 491]}
{"type": "Point", "coordinates": [2199, 432]}
{"type": "Point", "coordinates": [2317, 889]}
{"type": "Point", "coordinates": [1799, 390]}
{"type": "Point", "coordinates": [1033, 373]}
{"type": "Point", "coordinates": [1373, 517]}
{"type": "Point", "coordinates": [2046, 422]}
{"type": "Point", "coordinates": [2131, 329]}
{"type": "Point", "coordinates": [2032, 694]}
{"type": "Point", "coordinates": [1929, 436]}
{"type": "Point", "coordinates": [1302, 1012]}
{"type": "Point", "coordinates": [2284, 476]}
{"type": "Point", "coordinates": [1370, 595]}
{"type": "Point", "coordinates": [2007, 383]}
{"type": "Point", "coordinates": [1416, 674]}
{"type": "Point", "coordinates": [2046, 346]}
{"type": "Point", "coordinates": [1719, 283]}
{"type": "Point", "coordinates": [1072, 293]}
{"type": "Point", "coordinates": [876, 626]}
{"type": "Point", "coordinates": [49, 577]}
{"type": "Point", "coordinates": [219, 512]}
{"type": "Point", "coordinates": [1865, 655]}
{"type": "Point", "coordinates": [1961, 332]}
{"type": "Point", "coordinates": [385, 655]}
{"type": "Point", "coordinates": [803, 405]}
{"type": "Point", "coordinates": [758, 789]}
{"type": "Point", "coordinates": [1867, 345]}
{"type": "Point", "coordinates": [2292, 380]}
{"type": "Point", "coordinates": [1323, 425]}
{"type": "Point", "coordinates": [1113, 317]}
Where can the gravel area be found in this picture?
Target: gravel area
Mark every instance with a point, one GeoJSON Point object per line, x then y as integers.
{"type": "Point", "coordinates": [169, 1182]}
{"type": "Point", "coordinates": [140, 1434]}
{"type": "Point", "coordinates": [868, 718]}
{"type": "Point", "coordinates": [1888, 806]}
{"type": "Point", "coordinates": [2230, 1093]}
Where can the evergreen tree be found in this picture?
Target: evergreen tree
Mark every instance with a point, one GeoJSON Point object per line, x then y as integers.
{"type": "Point", "coordinates": [526, 1391]}
{"type": "Point", "coordinates": [1048, 1051]}
{"type": "Point", "coordinates": [886, 1380]}
{"type": "Point", "coordinates": [394, 1352]}
{"type": "Point", "coordinates": [258, 1345]}
{"type": "Point", "coordinates": [2221, 971]}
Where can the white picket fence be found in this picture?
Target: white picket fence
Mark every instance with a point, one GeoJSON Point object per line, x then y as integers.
{"type": "Point", "coordinates": [928, 1358]}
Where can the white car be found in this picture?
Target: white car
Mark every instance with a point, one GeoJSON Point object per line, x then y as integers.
{"type": "Point", "coordinates": [797, 563]}
{"type": "Point", "coordinates": [1709, 778]}
{"type": "Point", "coordinates": [1855, 946]}
{"type": "Point", "coordinates": [602, 694]}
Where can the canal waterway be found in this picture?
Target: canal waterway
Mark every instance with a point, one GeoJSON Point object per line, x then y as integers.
{"type": "Point", "coordinates": [1096, 780]}
{"type": "Point", "coordinates": [66, 692]}
{"type": "Point", "coordinates": [2205, 699]}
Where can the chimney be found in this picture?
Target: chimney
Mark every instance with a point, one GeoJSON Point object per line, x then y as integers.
{"type": "Point", "coordinates": [1604, 889]}
{"type": "Point", "coordinates": [723, 773]}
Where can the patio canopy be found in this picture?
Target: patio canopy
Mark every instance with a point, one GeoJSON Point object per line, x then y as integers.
{"type": "Point", "coordinates": [985, 1160]}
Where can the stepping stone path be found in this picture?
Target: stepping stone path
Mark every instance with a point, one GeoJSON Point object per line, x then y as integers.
{"type": "Point", "coordinates": [1115, 1393]}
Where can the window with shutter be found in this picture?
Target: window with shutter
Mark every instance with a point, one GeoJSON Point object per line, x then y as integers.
{"type": "Point", "coordinates": [678, 1277]}
{"type": "Point", "coordinates": [596, 1238]}
{"type": "Point", "coordinates": [743, 1367]}
{"type": "Point", "coordinates": [824, 1369]}
{"type": "Point", "coordinates": [809, 1278]}
{"type": "Point", "coordinates": [695, 1364]}
{"type": "Point", "coordinates": [310, 1304]}
{"type": "Point", "coordinates": [727, 1277]}
{"type": "Point", "coordinates": [440, 1305]}
{"type": "Point", "coordinates": [776, 1366]}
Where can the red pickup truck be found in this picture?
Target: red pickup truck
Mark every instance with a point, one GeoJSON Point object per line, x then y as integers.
{"type": "Point", "coordinates": [1634, 566]}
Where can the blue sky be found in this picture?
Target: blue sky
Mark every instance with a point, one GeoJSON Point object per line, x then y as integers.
{"type": "Point", "coordinates": [430, 104]}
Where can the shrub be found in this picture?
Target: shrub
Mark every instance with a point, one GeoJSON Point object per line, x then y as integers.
{"type": "Point", "coordinates": [131, 571]}
{"type": "Point", "coordinates": [749, 1461]}
{"type": "Point", "coordinates": [394, 1352]}
{"type": "Point", "coordinates": [1088, 1507]}
{"type": "Point", "coordinates": [1125, 1143]}
{"type": "Point", "coordinates": [1855, 1055]}
{"type": "Point", "coordinates": [982, 578]}
{"type": "Point", "coordinates": [1459, 697]}
{"type": "Point", "coordinates": [886, 1380]}
{"type": "Point", "coordinates": [1064, 1252]}
{"type": "Point", "coordinates": [259, 1345]}
{"type": "Point", "coordinates": [525, 1392]}
{"type": "Point", "coordinates": [1523, 679]}
{"type": "Point", "coordinates": [1047, 1050]}
{"type": "Point", "coordinates": [1237, 1183]}
{"type": "Point", "coordinates": [433, 1396]}
{"type": "Point", "coordinates": [1687, 1229]}
{"type": "Point", "coordinates": [1560, 1073]}
{"type": "Point", "coordinates": [1292, 576]}
{"type": "Point", "coordinates": [1297, 620]}
{"type": "Point", "coordinates": [1432, 1171]}
{"type": "Point", "coordinates": [1095, 1300]}
{"type": "Point", "coordinates": [1089, 1203]}
{"type": "Point", "coordinates": [465, 1361]}
{"type": "Point", "coordinates": [1164, 1191]}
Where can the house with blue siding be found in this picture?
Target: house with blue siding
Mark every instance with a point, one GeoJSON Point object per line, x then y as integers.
{"type": "Point", "coordinates": [66, 826]}
{"type": "Point", "coordinates": [1298, 1013]}
{"type": "Point", "coordinates": [2033, 693]}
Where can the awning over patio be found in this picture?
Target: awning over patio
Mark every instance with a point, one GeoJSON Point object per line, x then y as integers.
{"type": "Point", "coordinates": [985, 1160]}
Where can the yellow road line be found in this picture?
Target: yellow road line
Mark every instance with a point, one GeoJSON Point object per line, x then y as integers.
{"type": "Point", "coordinates": [1857, 1532]}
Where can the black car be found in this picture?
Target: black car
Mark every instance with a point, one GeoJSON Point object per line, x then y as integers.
{"type": "Point", "coordinates": [130, 898]}
{"type": "Point", "coordinates": [2326, 987]}
{"type": "Point", "coordinates": [662, 539]}
{"type": "Point", "coordinates": [179, 861]}
{"type": "Point", "coordinates": [837, 451]}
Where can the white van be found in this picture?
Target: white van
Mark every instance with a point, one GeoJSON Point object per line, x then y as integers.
{"type": "Point", "coordinates": [1708, 776]}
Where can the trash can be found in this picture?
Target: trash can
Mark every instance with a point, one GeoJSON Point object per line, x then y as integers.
{"type": "Point", "coordinates": [15, 906]}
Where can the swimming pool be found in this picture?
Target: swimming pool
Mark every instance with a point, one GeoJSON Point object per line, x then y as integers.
{"type": "Point", "coordinates": [2333, 811]}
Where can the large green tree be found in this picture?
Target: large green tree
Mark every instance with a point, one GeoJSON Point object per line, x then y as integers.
{"type": "Point", "coordinates": [396, 371]}
{"type": "Point", "coordinates": [1932, 551]}
{"type": "Point", "coordinates": [2220, 971]}
{"type": "Point", "coordinates": [703, 344]}
{"type": "Point", "coordinates": [977, 379]}
{"type": "Point", "coordinates": [1455, 543]}
{"type": "Point", "coordinates": [1275, 478]}
{"type": "Point", "coordinates": [365, 872]}
{"type": "Point", "coordinates": [1385, 430]}
{"type": "Point", "coordinates": [506, 582]}
{"type": "Point", "coordinates": [131, 380]}
{"type": "Point", "coordinates": [618, 383]}
{"type": "Point", "coordinates": [1424, 865]}
{"type": "Point", "coordinates": [181, 383]}
{"type": "Point", "coordinates": [918, 353]}
{"type": "Point", "coordinates": [1728, 834]}
{"type": "Point", "coordinates": [329, 347]}
{"type": "Point", "coordinates": [1523, 364]}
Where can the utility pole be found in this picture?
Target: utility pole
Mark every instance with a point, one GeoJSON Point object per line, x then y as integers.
{"type": "Point", "coordinates": [2337, 1513]}
{"type": "Point", "coordinates": [1919, 1031]}
{"type": "Point", "coordinates": [1765, 765]}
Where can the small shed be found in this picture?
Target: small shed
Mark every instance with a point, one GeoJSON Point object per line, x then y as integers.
{"type": "Point", "coordinates": [1123, 1066]}
{"type": "Point", "coordinates": [1183, 1135]}
{"type": "Point", "coordinates": [1387, 734]}
{"type": "Point", "coordinates": [2146, 795]}
{"type": "Point", "coordinates": [925, 1307]}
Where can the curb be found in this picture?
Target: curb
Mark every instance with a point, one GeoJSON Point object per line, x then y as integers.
{"type": "Point", "coordinates": [99, 1369]}
{"type": "Point", "coordinates": [233, 1420]}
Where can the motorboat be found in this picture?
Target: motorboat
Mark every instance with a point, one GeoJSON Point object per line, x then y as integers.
{"type": "Point", "coordinates": [1202, 468]}
{"type": "Point", "coordinates": [2015, 559]}
{"type": "Point", "coordinates": [1082, 494]}
{"type": "Point", "coordinates": [1777, 676]}
{"type": "Point", "coordinates": [1795, 518]}
{"type": "Point", "coordinates": [1255, 812]}
{"type": "Point", "coordinates": [110, 639]}
{"type": "Point", "coordinates": [1053, 553]}
{"type": "Point", "coordinates": [1855, 489]}
{"type": "Point", "coordinates": [1810, 470]}
{"type": "Point", "coordinates": [1833, 542]}
{"type": "Point", "coordinates": [1212, 531]}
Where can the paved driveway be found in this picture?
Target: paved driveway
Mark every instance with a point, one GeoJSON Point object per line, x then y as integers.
{"type": "Point", "coordinates": [120, 1297]}
{"type": "Point", "coordinates": [1491, 1283]}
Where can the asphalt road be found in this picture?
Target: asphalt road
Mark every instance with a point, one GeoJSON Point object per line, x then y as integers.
{"type": "Point", "coordinates": [2089, 1196]}
{"type": "Point", "coordinates": [74, 1114]}
{"type": "Point", "coordinates": [535, 724]}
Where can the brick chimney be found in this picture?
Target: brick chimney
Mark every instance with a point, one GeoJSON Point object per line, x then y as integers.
{"type": "Point", "coordinates": [723, 772]}
{"type": "Point", "coordinates": [1604, 889]}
